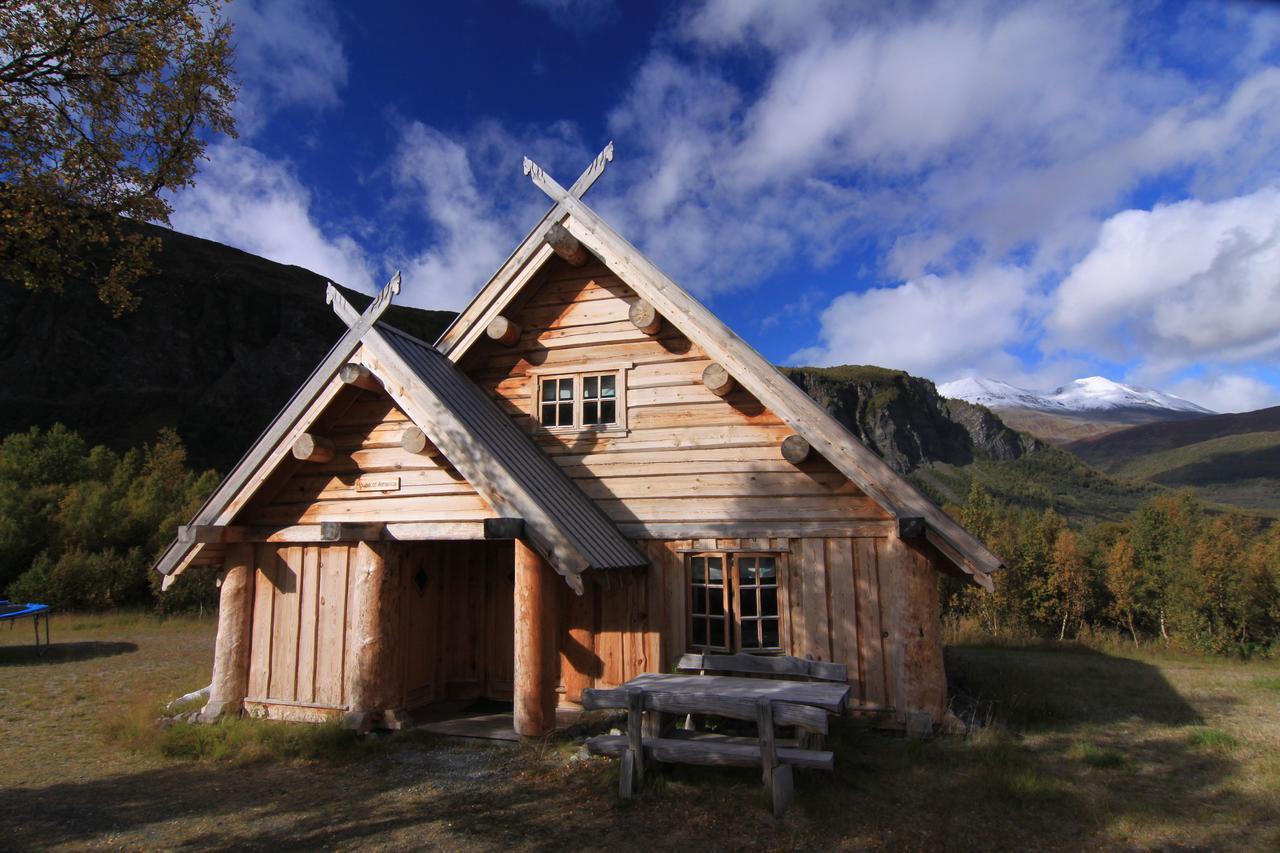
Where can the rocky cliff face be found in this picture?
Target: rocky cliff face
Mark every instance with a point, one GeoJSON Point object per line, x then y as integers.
{"type": "Point", "coordinates": [903, 418]}
{"type": "Point", "coordinates": [220, 342]}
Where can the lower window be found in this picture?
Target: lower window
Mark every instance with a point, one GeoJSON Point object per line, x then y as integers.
{"type": "Point", "coordinates": [734, 602]}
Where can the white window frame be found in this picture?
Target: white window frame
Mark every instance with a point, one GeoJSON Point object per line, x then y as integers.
{"type": "Point", "coordinates": [577, 373]}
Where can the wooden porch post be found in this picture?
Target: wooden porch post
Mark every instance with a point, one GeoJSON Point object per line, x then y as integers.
{"type": "Point", "coordinates": [230, 682]}
{"type": "Point", "coordinates": [535, 641]}
{"type": "Point", "coordinates": [371, 682]}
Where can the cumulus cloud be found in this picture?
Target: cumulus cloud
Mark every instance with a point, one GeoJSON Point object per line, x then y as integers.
{"type": "Point", "coordinates": [1228, 392]}
{"type": "Point", "coordinates": [1179, 284]}
{"type": "Point", "coordinates": [250, 201]}
{"type": "Point", "coordinates": [287, 54]}
{"type": "Point", "coordinates": [931, 325]}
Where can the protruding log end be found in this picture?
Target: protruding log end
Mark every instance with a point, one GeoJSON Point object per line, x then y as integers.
{"type": "Point", "coordinates": [312, 448]}
{"type": "Point", "coordinates": [910, 527]}
{"type": "Point", "coordinates": [503, 330]}
{"type": "Point", "coordinates": [415, 440]}
{"type": "Point", "coordinates": [359, 376]}
{"type": "Point", "coordinates": [566, 245]}
{"type": "Point", "coordinates": [795, 449]}
{"type": "Point", "coordinates": [717, 380]}
{"type": "Point", "coordinates": [645, 317]}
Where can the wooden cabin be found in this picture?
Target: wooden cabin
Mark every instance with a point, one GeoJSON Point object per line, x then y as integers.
{"type": "Point", "coordinates": [585, 477]}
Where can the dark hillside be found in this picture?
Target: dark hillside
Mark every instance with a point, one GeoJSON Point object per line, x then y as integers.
{"type": "Point", "coordinates": [1114, 450]}
{"type": "Point", "coordinates": [220, 342]}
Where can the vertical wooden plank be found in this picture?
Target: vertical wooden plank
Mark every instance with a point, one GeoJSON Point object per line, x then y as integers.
{"type": "Point", "coordinates": [843, 597]}
{"type": "Point", "coordinates": [500, 568]}
{"type": "Point", "coordinates": [675, 585]}
{"type": "Point", "coordinates": [795, 598]}
{"type": "Point", "coordinates": [350, 617]}
{"type": "Point", "coordinates": [308, 610]}
{"type": "Point", "coordinates": [263, 613]}
{"type": "Point", "coordinates": [871, 646]}
{"type": "Point", "coordinates": [655, 616]}
{"type": "Point", "coordinates": [895, 560]}
{"type": "Point", "coordinates": [331, 625]}
{"type": "Point", "coordinates": [925, 679]}
{"type": "Point", "coordinates": [437, 567]}
{"type": "Point", "coordinates": [612, 603]}
{"type": "Point", "coordinates": [816, 632]}
{"type": "Point", "coordinates": [579, 665]}
{"type": "Point", "coordinates": [635, 634]}
{"type": "Point", "coordinates": [284, 635]}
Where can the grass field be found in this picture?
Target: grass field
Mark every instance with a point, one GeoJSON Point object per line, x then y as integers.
{"type": "Point", "coordinates": [1081, 750]}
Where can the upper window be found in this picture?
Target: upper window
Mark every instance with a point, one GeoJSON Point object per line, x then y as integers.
{"type": "Point", "coordinates": [580, 400]}
{"type": "Point", "coordinates": [734, 602]}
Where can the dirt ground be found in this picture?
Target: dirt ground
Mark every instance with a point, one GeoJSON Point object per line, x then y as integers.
{"type": "Point", "coordinates": [1081, 750]}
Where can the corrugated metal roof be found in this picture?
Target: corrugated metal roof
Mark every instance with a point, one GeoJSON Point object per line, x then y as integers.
{"type": "Point", "coordinates": [580, 520]}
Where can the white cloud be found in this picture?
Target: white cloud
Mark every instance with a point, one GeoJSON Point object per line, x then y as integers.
{"type": "Point", "coordinates": [287, 53]}
{"type": "Point", "coordinates": [247, 200]}
{"type": "Point", "coordinates": [1228, 393]}
{"type": "Point", "coordinates": [1181, 283]}
{"type": "Point", "coordinates": [932, 326]}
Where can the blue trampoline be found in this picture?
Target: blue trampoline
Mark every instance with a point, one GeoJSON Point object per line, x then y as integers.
{"type": "Point", "coordinates": [36, 612]}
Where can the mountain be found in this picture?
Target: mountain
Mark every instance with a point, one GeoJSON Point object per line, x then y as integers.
{"type": "Point", "coordinates": [220, 342]}
{"type": "Point", "coordinates": [1081, 409]}
{"type": "Point", "coordinates": [1228, 459]}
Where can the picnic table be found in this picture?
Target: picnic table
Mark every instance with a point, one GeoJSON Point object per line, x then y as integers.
{"type": "Point", "coordinates": [770, 702]}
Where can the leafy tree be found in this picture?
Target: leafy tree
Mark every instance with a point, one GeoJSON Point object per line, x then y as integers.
{"type": "Point", "coordinates": [1125, 583]}
{"type": "Point", "coordinates": [104, 105]}
{"type": "Point", "coordinates": [1067, 582]}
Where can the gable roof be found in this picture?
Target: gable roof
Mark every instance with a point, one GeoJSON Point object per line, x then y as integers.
{"type": "Point", "coordinates": [500, 461]}
{"type": "Point", "coordinates": [893, 492]}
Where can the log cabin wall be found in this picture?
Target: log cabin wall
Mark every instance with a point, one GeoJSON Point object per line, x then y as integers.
{"type": "Point", "coordinates": [868, 602]}
{"type": "Point", "coordinates": [453, 626]}
{"type": "Point", "coordinates": [366, 428]}
{"type": "Point", "coordinates": [686, 454]}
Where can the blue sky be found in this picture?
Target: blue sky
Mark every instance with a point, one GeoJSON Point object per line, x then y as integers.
{"type": "Point", "coordinates": [1028, 191]}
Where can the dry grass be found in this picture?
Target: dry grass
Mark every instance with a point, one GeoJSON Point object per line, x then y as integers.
{"type": "Point", "coordinates": [1083, 750]}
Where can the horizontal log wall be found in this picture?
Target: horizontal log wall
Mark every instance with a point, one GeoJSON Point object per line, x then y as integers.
{"type": "Point", "coordinates": [686, 455]}
{"type": "Point", "coordinates": [868, 602]}
{"type": "Point", "coordinates": [365, 428]}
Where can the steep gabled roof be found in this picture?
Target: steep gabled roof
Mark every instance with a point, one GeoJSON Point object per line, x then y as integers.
{"type": "Point", "coordinates": [500, 461]}
{"type": "Point", "coordinates": [752, 371]}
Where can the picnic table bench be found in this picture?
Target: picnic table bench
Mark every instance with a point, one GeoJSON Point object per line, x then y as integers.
{"type": "Point", "coordinates": [777, 700]}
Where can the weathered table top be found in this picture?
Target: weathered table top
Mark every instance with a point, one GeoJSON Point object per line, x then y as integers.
{"type": "Point", "coordinates": [825, 695]}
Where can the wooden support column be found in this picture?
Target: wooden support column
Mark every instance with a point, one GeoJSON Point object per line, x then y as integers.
{"type": "Point", "coordinates": [503, 330]}
{"type": "Point", "coordinates": [313, 448]}
{"type": "Point", "coordinates": [536, 657]}
{"type": "Point", "coordinates": [566, 245]}
{"type": "Point", "coordinates": [230, 682]}
{"type": "Point", "coordinates": [372, 689]}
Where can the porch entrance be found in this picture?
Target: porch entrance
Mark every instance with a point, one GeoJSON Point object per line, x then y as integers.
{"type": "Point", "coordinates": [457, 622]}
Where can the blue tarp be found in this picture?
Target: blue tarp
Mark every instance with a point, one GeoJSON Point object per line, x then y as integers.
{"type": "Point", "coordinates": [16, 611]}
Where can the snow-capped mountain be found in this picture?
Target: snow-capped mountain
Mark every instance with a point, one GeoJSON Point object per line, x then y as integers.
{"type": "Point", "coordinates": [1091, 395]}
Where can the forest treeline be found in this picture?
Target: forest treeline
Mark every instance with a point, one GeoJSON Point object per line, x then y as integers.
{"type": "Point", "coordinates": [81, 526]}
{"type": "Point", "coordinates": [1171, 573]}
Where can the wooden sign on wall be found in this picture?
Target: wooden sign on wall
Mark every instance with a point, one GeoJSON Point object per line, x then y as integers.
{"type": "Point", "coordinates": [377, 484]}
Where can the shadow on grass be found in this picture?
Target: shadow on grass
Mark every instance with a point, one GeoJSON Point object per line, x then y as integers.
{"type": "Point", "coordinates": [63, 652]}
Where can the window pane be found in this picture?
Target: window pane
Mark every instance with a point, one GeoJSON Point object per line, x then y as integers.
{"type": "Point", "coordinates": [770, 631]}
{"type": "Point", "coordinates": [566, 414]}
{"type": "Point", "coordinates": [716, 567]}
{"type": "Point", "coordinates": [768, 601]}
{"type": "Point", "coordinates": [699, 599]}
{"type": "Point", "coordinates": [549, 414]}
{"type": "Point", "coordinates": [768, 570]}
{"type": "Point", "coordinates": [749, 640]}
{"type": "Point", "coordinates": [747, 602]}
{"type": "Point", "coordinates": [717, 631]}
{"type": "Point", "coordinates": [608, 412]}
{"type": "Point", "coordinates": [566, 389]}
{"type": "Point", "coordinates": [698, 566]}
{"type": "Point", "coordinates": [747, 570]}
{"type": "Point", "coordinates": [699, 631]}
{"type": "Point", "coordinates": [589, 412]}
{"type": "Point", "coordinates": [590, 387]}
{"type": "Point", "coordinates": [549, 389]}
{"type": "Point", "coordinates": [607, 384]}
{"type": "Point", "coordinates": [715, 598]}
